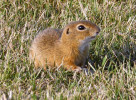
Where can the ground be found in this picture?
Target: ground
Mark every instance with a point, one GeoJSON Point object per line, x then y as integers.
{"type": "Point", "coordinates": [112, 53]}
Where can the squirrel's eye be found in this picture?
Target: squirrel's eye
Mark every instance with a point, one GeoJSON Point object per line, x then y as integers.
{"type": "Point", "coordinates": [81, 27]}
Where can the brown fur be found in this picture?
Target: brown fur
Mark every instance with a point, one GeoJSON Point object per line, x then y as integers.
{"type": "Point", "coordinates": [68, 46]}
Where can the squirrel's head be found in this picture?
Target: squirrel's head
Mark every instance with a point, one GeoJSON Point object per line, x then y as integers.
{"type": "Point", "coordinates": [80, 31]}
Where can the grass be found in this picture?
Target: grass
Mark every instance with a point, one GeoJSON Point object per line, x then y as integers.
{"type": "Point", "coordinates": [113, 53]}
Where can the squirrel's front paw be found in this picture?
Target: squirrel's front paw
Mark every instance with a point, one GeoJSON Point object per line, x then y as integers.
{"type": "Point", "coordinates": [74, 68]}
{"type": "Point", "coordinates": [77, 69]}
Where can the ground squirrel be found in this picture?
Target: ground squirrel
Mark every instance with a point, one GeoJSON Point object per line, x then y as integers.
{"type": "Point", "coordinates": [68, 47]}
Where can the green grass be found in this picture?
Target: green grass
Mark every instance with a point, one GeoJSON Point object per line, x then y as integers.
{"type": "Point", "coordinates": [113, 53]}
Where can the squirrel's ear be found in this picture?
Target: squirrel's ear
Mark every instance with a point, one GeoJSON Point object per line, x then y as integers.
{"type": "Point", "coordinates": [67, 31]}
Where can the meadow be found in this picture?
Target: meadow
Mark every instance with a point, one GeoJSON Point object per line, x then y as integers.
{"type": "Point", "coordinates": [112, 53]}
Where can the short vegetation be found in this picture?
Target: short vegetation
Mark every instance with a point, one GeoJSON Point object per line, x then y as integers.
{"type": "Point", "coordinates": [112, 53]}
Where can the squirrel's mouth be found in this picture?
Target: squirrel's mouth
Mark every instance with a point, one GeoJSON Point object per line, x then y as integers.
{"type": "Point", "coordinates": [88, 39]}
{"type": "Point", "coordinates": [93, 37]}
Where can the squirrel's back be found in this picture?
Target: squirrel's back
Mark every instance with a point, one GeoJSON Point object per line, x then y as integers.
{"type": "Point", "coordinates": [47, 37]}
